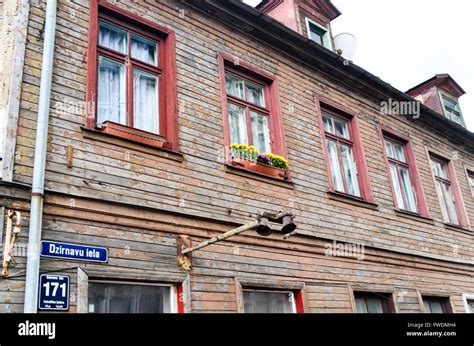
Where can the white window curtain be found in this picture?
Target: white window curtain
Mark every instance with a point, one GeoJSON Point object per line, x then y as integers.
{"type": "Point", "coordinates": [260, 132]}
{"type": "Point", "coordinates": [144, 50]}
{"type": "Point", "coordinates": [237, 124]}
{"type": "Point", "coordinates": [268, 302]}
{"type": "Point", "coordinates": [127, 298]}
{"type": "Point", "coordinates": [449, 206]}
{"type": "Point", "coordinates": [113, 38]}
{"type": "Point", "coordinates": [396, 186]}
{"type": "Point", "coordinates": [408, 189]}
{"type": "Point", "coordinates": [111, 91]}
{"type": "Point", "coordinates": [145, 102]}
{"type": "Point", "coordinates": [335, 167]}
{"type": "Point", "coordinates": [350, 170]}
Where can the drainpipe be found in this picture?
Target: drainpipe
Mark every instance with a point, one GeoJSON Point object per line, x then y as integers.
{"type": "Point", "coordinates": [36, 213]}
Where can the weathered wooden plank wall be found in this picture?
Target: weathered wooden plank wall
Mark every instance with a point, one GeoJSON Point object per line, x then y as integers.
{"type": "Point", "coordinates": [80, 199]}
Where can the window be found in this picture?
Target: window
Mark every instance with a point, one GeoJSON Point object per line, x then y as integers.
{"type": "Point", "coordinates": [469, 302]}
{"type": "Point", "coordinates": [436, 305]}
{"type": "Point", "coordinates": [269, 302]}
{"type": "Point", "coordinates": [106, 297]}
{"type": "Point", "coordinates": [470, 177]}
{"type": "Point", "coordinates": [405, 183]}
{"type": "Point", "coordinates": [452, 110]}
{"type": "Point", "coordinates": [374, 303]}
{"type": "Point", "coordinates": [132, 78]}
{"type": "Point", "coordinates": [318, 34]}
{"type": "Point", "coordinates": [248, 112]}
{"type": "Point", "coordinates": [444, 189]}
{"type": "Point", "coordinates": [251, 107]}
{"type": "Point", "coordinates": [344, 155]}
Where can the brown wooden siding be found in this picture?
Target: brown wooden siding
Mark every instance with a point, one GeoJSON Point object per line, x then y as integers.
{"type": "Point", "coordinates": [199, 185]}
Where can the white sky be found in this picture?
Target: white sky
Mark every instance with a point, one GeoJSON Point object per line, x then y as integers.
{"type": "Point", "coordinates": [406, 42]}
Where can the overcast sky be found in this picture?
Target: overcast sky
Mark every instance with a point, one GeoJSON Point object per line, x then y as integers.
{"type": "Point", "coordinates": [406, 42]}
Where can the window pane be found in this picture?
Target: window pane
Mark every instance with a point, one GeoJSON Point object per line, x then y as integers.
{"type": "Point", "coordinates": [268, 302]}
{"type": "Point", "coordinates": [237, 125]}
{"type": "Point", "coordinates": [361, 306]}
{"type": "Point", "coordinates": [341, 128]}
{"type": "Point", "coordinates": [234, 86]}
{"type": "Point", "coordinates": [350, 170]}
{"type": "Point", "coordinates": [396, 186]}
{"type": "Point", "coordinates": [144, 50]}
{"type": "Point", "coordinates": [389, 149]}
{"type": "Point", "coordinates": [111, 91]}
{"type": "Point", "coordinates": [145, 102]}
{"type": "Point", "coordinates": [442, 201]}
{"type": "Point", "coordinates": [408, 189]}
{"type": "Point", "coordinates": [439, 169]}
{"type": "Point", "coordinates": [433, 307]}
{"type": "Point", "coordinates": [470, 305]}
{"type": "Point", "coordinates": [449, 201]}
{"type": "Point", "coordinates": [260, 132]}
{"type": "Point", "coordinates": [316, 34]}
{"type": "Point", "coordinates": [125, 298]}
{"type": "Point", "coordinates": [471, 180]}
{"type": "Point", "coordinates": [374, 306]}
{"type": "Point", "coordinates": [335, 167]}
{"type": "Point", "coordinates": [113, 38]}
{"type": "Point", "coordinates": [327, 121]}
{"type": "Point", "coordinates": [255, 94]}
{"type": "Point", "coordinates": [399, 152]}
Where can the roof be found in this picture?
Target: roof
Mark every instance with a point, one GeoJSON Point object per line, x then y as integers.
{"type": "Point", "coordinates": [325, 6]}
{"type": "Point", "coordinates": [438, 80]}
{"type": "Point", "coordinates": [267, 30]}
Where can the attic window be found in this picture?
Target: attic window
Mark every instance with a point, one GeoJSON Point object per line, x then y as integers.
{"type": "Point", "coordinates": [452, 110]}
{"type": "Point", "coordinates": [318, 33]}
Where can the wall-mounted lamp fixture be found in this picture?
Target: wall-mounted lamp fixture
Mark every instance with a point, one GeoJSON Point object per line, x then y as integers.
{"type": "Point", "coordinates": [261, 225]}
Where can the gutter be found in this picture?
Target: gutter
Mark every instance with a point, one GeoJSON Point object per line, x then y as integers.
{"type": "Point", "coordinates": [37, 194]}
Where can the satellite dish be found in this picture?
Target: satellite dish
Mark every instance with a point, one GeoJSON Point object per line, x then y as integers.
{"type": "Point", "coordinates": [346, 45]}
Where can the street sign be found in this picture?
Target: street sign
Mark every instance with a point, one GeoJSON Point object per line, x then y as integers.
{"type": "Point", "coordinates": [53, 292]}
{"type": "Point", "coordinates": [73, 251]}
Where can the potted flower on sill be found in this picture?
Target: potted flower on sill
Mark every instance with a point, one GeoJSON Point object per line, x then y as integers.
{"type": "Point", "coordinates": [268, 164]}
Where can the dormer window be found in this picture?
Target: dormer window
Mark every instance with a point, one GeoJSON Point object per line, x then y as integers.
{"type": "Point", "coordinates": [452, 110]}
{"type": "Point", "coordinates": [318, 33]}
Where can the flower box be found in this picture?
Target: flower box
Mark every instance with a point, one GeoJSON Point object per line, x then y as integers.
{"type": "Point", "coordinates": [133, 134]}
{"type": "Point", "coordinates": [260, 168]}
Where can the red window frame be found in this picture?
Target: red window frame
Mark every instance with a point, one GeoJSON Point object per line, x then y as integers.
{"type": "Point", "coordinates": [386, 133]}
{"type": "Point", "coordinates": [388, 305]}
{"type": "Point", "coordinates": [166, 70]}
{"type": "Point", "coordinates": [242, 69]}
{"type": "Point", "coordinates": [452, 181]}
{"type": "Point", "coordinates": [339, 111]}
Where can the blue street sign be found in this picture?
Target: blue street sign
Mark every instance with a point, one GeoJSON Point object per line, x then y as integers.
{"type": "Point", "coordinates": [53, 292]}
{"type": "Point", "coordinates": [73, 251]}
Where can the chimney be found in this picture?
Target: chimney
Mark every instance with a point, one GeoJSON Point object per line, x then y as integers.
{"type": "Point", "coordinates": [310, 18]}
{"type": "Point", "coordinates": [441, 93]}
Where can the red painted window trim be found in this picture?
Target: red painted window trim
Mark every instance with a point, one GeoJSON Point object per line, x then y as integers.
{"type": "Point", "coordinates": [386, 132]}
{"type": "Point", "coordinates": [228, 62]}
{"type": "Point", "coordinates": [180, 297]}
{"type": "Point", "coordinates": [167, 54]}
{"type": "Point", "coordinates": [459, 201]}
{"type": "Point", "coordinates": [363, 175]}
